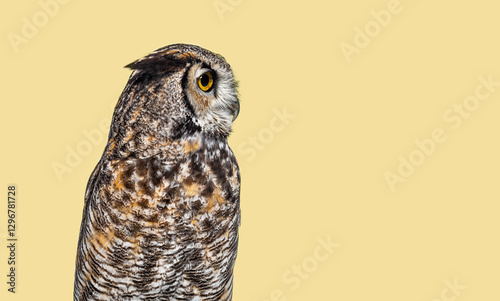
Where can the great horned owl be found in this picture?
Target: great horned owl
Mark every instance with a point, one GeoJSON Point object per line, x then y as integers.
{"type": "Point", "coordinates": [162, 212]}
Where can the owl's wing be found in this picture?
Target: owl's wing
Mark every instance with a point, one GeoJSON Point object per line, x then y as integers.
{"type": "Point", "coordinates": [119, 256]}
{"type": "Point", "coordinates": [94, 245]}
{"type": "Point", "coordinates": [82, 271]}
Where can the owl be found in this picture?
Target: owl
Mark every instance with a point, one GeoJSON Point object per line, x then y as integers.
{"type": "Point", "coordinates": [162, 212]}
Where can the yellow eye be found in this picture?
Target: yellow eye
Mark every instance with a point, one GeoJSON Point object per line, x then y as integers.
{"type": "Point", "coordinates": [206, 81]}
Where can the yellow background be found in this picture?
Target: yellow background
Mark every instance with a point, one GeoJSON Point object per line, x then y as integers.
{"type": "Point", "coordinates": [320, 176]}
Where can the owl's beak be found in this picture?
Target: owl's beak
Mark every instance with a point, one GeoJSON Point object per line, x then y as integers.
{"type": "Point", "coordinates": [236, 111]}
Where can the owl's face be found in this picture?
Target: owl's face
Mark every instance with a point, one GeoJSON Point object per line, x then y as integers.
{"type": "Point", "coordinates": [211, 92]}
{"type": "Point", "coordinates": [181, 90]}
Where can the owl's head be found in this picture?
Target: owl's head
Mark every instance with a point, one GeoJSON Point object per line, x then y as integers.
{"type": "Point", "coordinates": [181, 90]}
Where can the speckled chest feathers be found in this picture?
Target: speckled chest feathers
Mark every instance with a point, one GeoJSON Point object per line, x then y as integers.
{"type": "Point", "coordinates": [162, 211]}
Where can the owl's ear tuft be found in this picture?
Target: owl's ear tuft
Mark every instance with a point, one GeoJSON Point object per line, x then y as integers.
{"type": "Point", "coordinates": [158, 64]}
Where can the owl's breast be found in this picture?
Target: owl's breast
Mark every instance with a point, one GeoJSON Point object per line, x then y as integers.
{"type": "Point", "coordinates": [192, 200]}
{"type": "Point", "coordinates": [158, 223]}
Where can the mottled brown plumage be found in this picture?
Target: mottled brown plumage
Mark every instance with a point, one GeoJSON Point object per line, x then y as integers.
{"type": "Point", "coordinates": [162, 211]}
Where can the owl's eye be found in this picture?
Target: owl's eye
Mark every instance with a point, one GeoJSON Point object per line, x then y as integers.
{"type": "Point", "coordinates": [206, 81]}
